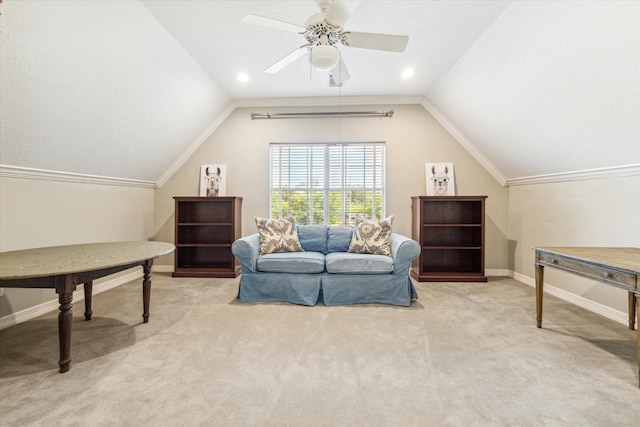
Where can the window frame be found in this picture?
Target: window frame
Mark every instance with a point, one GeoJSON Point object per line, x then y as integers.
{"type": "Point", "coordinates": [372, 178]}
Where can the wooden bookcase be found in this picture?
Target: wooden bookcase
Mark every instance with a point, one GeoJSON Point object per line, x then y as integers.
{"type": "Point", "coordinates": [450, 230]}
{"type": "Point", "coordinates": [205, 228]}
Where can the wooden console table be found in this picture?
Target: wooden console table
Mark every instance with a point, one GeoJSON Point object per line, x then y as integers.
{"type": "Point", "coordinates": [618, 267]}
{"type": "Point", "coordinates": [64, 267]}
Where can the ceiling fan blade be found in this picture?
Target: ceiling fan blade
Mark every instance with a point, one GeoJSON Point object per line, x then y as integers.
{"type": "Point", "coordinates": [339, 74]}
{"type": "Point", "coordinates": [272, 23]}
{"type": "Point", "coordinates": [375, 41]}
{"type": "Point", "coordinates": [339, 12]}
{"type": "Point", "coordinates": [287, 60]}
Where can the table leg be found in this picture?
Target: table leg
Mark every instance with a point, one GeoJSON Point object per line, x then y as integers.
{"type": "Point", "coordinates": [146, 290]}
{"type": "Point", "coordinates": [88, 295]}
{"type": "Point", "coordinates": [539, 293]}
{"type": "Point", "coordinates": [632, 310]}
{"type": "Point", "coordinates": [638, 311]}
{"type": "Point", "coordinates": [64, 289]}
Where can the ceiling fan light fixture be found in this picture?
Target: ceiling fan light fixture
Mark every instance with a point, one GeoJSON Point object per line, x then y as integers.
{"type": "Point", "coordinates": [323, 32]}
{"type": "Point", "coordinates": [324, 57]}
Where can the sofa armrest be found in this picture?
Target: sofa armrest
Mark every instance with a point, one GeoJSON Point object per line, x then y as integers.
{"type": "Point", "coordinates": [403, 251]}
{"type": "Point", "coordinates": [247, 250]}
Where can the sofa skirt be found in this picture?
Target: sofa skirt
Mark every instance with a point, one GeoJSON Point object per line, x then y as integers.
{"type": "Point", "coordinates": [301, 289]}
{"type": "Point", "coordinates": [330, 289]}
{"type": "Point", "coordinates": [342, 289]}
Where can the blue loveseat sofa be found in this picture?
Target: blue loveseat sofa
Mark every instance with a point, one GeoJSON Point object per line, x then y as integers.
{"type": "Point", "coordinates": [325, 272]}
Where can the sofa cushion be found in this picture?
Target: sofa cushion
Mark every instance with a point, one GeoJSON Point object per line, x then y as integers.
{"type": "Point", "coordinates": [291, 262]}
{"type": "Point", "coordinates": [278, 235]}
{"type": "Point", "coordinates": [371, 237]}
{"type": "Point", "coordinates": [338, 238]}
{"type": "Point", "coordinates": [313, 237]}
{"type": "Point", "coordinates": [350, 263]}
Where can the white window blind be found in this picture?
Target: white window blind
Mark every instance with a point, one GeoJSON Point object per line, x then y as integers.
{"type": "Point", "coordinates": [327, 183]}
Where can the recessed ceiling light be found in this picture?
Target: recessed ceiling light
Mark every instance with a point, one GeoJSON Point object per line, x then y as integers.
{"type": "Point", "coordinates": [408, 73]}
{"type": "Point", "coordinates": [242, 77]}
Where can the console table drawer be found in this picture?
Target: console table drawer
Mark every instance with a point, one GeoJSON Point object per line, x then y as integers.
{"type": "Point", "coordinates": [621, 278]}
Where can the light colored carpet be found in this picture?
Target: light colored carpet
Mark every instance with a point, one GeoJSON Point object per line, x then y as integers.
{"type": "Point", "coordinates": [464, 354]}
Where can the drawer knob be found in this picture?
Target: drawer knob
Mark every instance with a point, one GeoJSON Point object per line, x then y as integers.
{"type": "Point", "coordinates": [554, 261]}
{"type": "Point", "coordinates": [608, 275]}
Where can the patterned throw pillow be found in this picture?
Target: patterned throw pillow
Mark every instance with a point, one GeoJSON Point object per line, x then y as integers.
{"type": "Point", "coordinates": [372, 237]}
{"type": "Point", "coordinates": [278, 235]}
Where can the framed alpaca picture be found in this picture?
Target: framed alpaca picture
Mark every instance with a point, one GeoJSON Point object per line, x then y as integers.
{"type": "Point", "coordinates": [440, 179]}
{"type": "Point", "coordinates": [213, 180]}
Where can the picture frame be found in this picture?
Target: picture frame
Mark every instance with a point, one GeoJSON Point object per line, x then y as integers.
{"type": "Point", "coordinates": [440, 179]}
{"type": "Point", "coordinates": [213, 180]}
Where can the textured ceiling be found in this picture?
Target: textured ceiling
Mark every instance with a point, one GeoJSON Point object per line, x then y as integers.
{"type": "Point", "coordinates": [98, 88]}
{"type": "Point", "coordinates": [440, 32]}
{"type": "Point", "coordinates": [123, 89]}
{"type": "Point", "coordinates": [560, 93]}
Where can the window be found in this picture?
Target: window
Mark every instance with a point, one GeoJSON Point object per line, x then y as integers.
{"type": "Point", "coordinates": [327, 183]}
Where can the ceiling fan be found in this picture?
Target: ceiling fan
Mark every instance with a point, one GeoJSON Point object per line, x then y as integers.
{"type": "Point", "coordinates": [323, 31]}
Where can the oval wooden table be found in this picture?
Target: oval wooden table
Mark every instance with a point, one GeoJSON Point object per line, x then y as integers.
{"type": "Point", "coordinates": [63, 268]}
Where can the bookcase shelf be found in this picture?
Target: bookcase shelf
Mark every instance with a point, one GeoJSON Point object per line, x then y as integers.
{"type": "Point", "coordinates": [205, 228]}
{"type": "Point", "coordinates": [450, 230]}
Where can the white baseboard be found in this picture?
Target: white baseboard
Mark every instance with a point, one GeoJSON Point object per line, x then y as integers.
{"type": "Point", "coordinates": [497, 272]}
{"type": "Point", "coordinates": [46, 307]}
{"type": "Point", "coordinates": [163, 268]}
{"type": "Point", "coordinates": [603, 310]}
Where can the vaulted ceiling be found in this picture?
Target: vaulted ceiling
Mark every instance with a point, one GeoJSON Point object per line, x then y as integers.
{"type": "Point", "coordinates": [121, 89]}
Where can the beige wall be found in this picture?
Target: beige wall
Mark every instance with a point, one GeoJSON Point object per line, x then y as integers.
{"type": "Point", "coordinates": [588, 212]}
{"type": "Point", "coordinates": [37, 213]}
{"type": "Point", "coordinates": [594, 212]}
{"type": "Point", "coordinates": [412, 137]}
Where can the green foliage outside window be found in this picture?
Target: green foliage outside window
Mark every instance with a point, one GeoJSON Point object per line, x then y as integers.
{"type": "Point", "coordinates": [308, 206]}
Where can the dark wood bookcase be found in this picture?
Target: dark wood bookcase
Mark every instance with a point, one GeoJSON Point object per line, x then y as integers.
{"type": "Point", "coordinates": [450, 230]}
{"type": "Point", "coordinates": [205, 228]}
